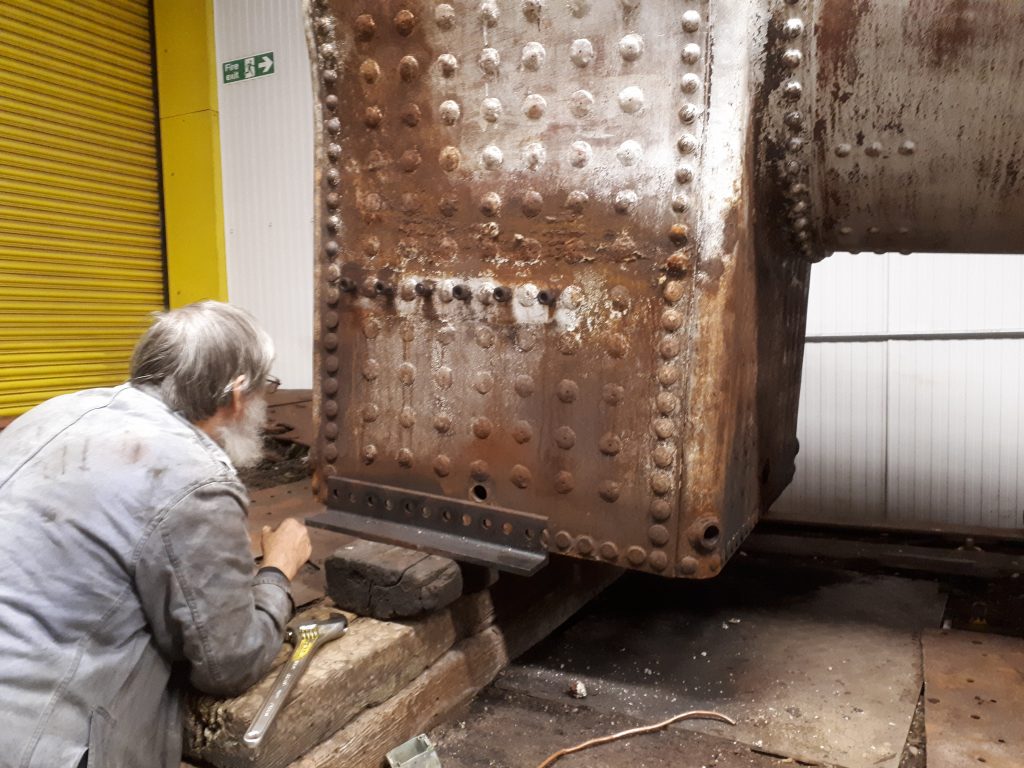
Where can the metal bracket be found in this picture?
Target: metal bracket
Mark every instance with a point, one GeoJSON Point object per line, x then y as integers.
{"type": "Point", "coordinates": [463, 530]}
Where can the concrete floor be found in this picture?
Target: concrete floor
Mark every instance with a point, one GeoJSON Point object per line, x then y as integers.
{"type": "Point", "coordinates": [818, 666]}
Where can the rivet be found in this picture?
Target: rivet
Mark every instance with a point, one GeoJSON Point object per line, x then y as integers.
{"type": "Point", "coordinates": [371, 369]}
{"type": "Point", "coordinates": [331, 248]}
{"type": "Point", "coordinates": [584, 545]}
{"type": "Point", "coordinates": [411, 115]}
{"type": "Point", "coordinates": [658, 534]}
{"type": "Point", "coordinates": [534, 155]}
{"type": "Point", "coordinates": [489, 61]}
{"type": "Point", "coordinates": [330, 76]}
{"type": "Point", "coordinates": [442, 423]}
{"type": "Point", "coordinates": [370, 412]}
{"type": "Point", "coordinates": [690, 83]}
{"type": "Point", "coordinates": [619, 296]}
{"type": "Point", "coordinates": [489, 13]}
{"type": "Point", "coordinates": [449, 112]}
{"type": "Point", "coordinates": [664, 428]}
{"type": "Point", "coordinates": [792, 58]}
{"type": "Point", "coordinates": [688, 113]}
{"type": "Point", "coordinates": [369, 453]}
{"type": "Point", "coordinates": [331, 100]}
{"type": "Point", "coordinates": [567, 390]}
{"type": "Point", "coordinates": [407, 374]}
{"type": "Point", "coordinates": [333, 223]}
{"type": "Point", "coordinates": [673, 291]}
{"type": "Point", "coordinates": [793, 28]}
{"type": "Point", "coordinates": [581, 102]}
{"type": "Point", "coordinates": [610, 444]}
{"type": "Point", "coordinates": [448, 205]}
{"type": "Point", "coordinates": [369, 70]}
{"type": "Point", "coordinates": [678, 261]}
{"type": "Point", "coordinates": [794, 144]}
{"type": "Point", "coordinates": [680, 203]}
{"type": "Point", "coordinates": [661, 483]}
{"type": "Point", "coordinates": [564, 482]}
{"type": "Point", "coordinates": [609, 551]}
{"type": "Point", "coordinates": [479, 470]}
{"type": "Point", "coordinates": [532, 10]}
{"type": "Point", "coordinates": [365, 26]}
{"type": "Point", "coordinates": [664, 456]}
{"type": "Point", "coordinates": [491, 109]}
{"type": "Point", "coordinates": [684, 174]}
{"type": "Point", "coordinates": [581, 52]}
{"type": "Point", "coordinates": [794, 120]}
{"type": "Point", "coordinates": [609, 490]}
{"type": "Point", "coordinates": [405, 21]}
{"type": "Point", "coordinates": [522, 432]}
{"type": "Point", "coordinates": [631, 47]}
{"type": "Point", "coordinates": [874, 149]}
{"type": "Point", "coordinates": [568, 343]}
{"type": "Point", "coordinates": [666, 403]}
{"type": "Point", "coordinates": [576, 200]}
{"type": "Point", "coordinates": [687, 144]}
{"type": "Point", "coordinates": [526, 339]}
{"type": "Point", "coordinates": [563, 540]}
{"type": "Point", "coordinates": [442, 465]}
{"type": "Point", "coordinates": [404, 457]}
{"type": "Point", "coordinates": [797, 189]}
{"type": "Point", "coordinates": [792, 90]}
{"type": "Point", "coordinates": [330, 408]}
{"type": "Point", "coordinates": [580, 153]}
{"type": "Point", "coordinates": [688, 565]}
{"type": "Point", "coordinates": [444, 16]}
{"type": "Point", "coordinates": [408, 68]}
{"type": "Point", "coordinates": [679, 234]}
{"type": "Point", "coordinates": [482, 427]}
{"type": "Point", "coordinates": [873, 230]}
{"type": "Point", "coordinates": [330, 387]}
{"type": "Point", "coordinates": [613, 394]}
{"type": "Point", "coordinates": [483, 382]}
{"type": "Point", "coordinates": [907, 148]}
{"type": "Point", "coordinates": [372, 117]}
{"type": "Point", "coordinates": [330, 341]}
{"type": "Point", "coordinates": [617, 346]}
{"type": "Point", "coordinates": [565, 438]}
{"type": "Point", "coordinates": [629, 152]}
{"type": "Point", "coordinates": [533, 56]}
{"type": "Point", "coordinates": [332, 295]}
{"type": "Point", "coordinates": [661, 510]}
{"type": "Point", "coordinates": [631, 99]}
{"type": "Point", "coordinates": [448, 64]}
{"type": "Point", "coordinates": [333, 201]}
{"type": "Point", "coordinates": [407, 417]}
{"type": "Point", "coordinates": [520, 476]}
{"type": "Point", "coordinates": [534, 106]}
{"type": "Point", "coordinates": [524, 385]}
{"type": "Point", "coordinates": [658, 560]}
{"type": "Point", "coordinates": [691, 21]}
{"type": "Point", "coordinates": [801, 224]}
{"type": "Point", "coordinates": [410, 160]}
{"type": "Point", "coordinates": [671, 320]}
{"type": "Point", "coordinates": [371, 327]}
{"type": "Point", "coordinates": [533, 203]}
{"type": "Point", "coordinates": [449, 159]}
{"type": "Point", "coordinates": [332, 363]}
{"type": "Point", "coordinates": [331, 430]}
{"type": "Point", "coordinates": [490, 204]}
{"type": "Point", "coordinates": [843, 150]}
{"type": "Point", "coordinates": [636, 555]}
{"type": "Point", "coordinates": [845, 230]}
{"type": "Point", "coordinates": [691, 53]}
{"type": "Point", "coordinates": [625, 201]}
{"type": "Point", "coordinates": [333, 125]}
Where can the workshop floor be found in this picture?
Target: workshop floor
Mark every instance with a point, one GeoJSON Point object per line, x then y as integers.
{"type": "Point", "coordinates": [818, 666]}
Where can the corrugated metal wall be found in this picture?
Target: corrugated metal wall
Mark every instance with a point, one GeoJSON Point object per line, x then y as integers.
{"type": "Point", "coordinates": [81, 258]}
{"type": "Point", "coordinates": [266, 127]}
{"type": "Point", "coordinates": [912, 406]}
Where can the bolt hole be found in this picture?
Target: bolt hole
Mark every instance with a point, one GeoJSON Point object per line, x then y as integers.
{"type": "Point", "coordinates": [506, 529]}
{"type": "Point", "coordinates": [425, 512]}
{"type": "Point", "coordinates": [334, 493]}
{"type": "Point", "coordinates": [467, 520]}
{"type": "Point", "coordinates": [933, 701]}
{"type": "Point", "coordinates": [528, 533]}
{"type": "Point", "coordinates": [351, 498]}
{"type": "Point", "coordinates": [486, 523]}
{"type": "Point", "coordinates": [409, 507]}
{"type": "Point", "coordinates": [982, 760]}
{"type": "Point", "coordinates": [371, 500]}
{"type": "Point", "coordinates": [976, 642]}
{"type": "Point", "coordinates": [975, 717]}
{"type": "Point", "coordinates": [710, 535]}
{"type": "Point", "coordinates": [1001, 741]}
{"type": "Point", "coordinates": [446, 515]}
{"type": "Point", "coordinates": [970, 679]}
{"type": "Point", "coordinates": [478, 492]}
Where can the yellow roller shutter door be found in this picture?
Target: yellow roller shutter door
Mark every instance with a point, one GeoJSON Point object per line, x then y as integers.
{"type": "Point", "coordinates": [81, 265]}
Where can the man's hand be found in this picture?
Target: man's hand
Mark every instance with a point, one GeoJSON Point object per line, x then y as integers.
{"type": "Point", "coordinates": [287, 548]}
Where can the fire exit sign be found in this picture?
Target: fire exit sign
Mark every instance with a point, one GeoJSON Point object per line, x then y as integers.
{"type": "Point", "coordinates": [251, 66]}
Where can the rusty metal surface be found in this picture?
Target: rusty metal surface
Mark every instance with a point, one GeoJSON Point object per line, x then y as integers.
{"type": "Point", "coordinates": [973, 699]}
{"type": "Point", "coordinates": [562, 260]}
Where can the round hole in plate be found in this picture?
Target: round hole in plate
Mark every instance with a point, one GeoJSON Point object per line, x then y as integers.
{"type": "Point", "coordinates": [975, 717]}
{"type": "Point", "coordinates": [1001, 741]}
{"type": "Point", "coordinates": [334, 493]}
{"type": "Point", "coordinates": [975, 642]}
{"type": "Point", "coordinates": [933, 701]}
{"type": "Point", "coordinates": [506, 529]}
{"type": "Point", "coordinates": [446, 515]}
{"type": "Point", "coordinates": [970, 679]}
{"type": "Point", "coordinates": [408, 506]}
{"type": "Point", "coordinates": [478, 492]}
{"type": "Point", "coordinates": [710, 534]}
{"type": "Point", "coordinates": [371, 500]}
{"type": "Point", "coordinates": [982, 760]}
{"type": "Point", "coordinates": [467, 519]}
{"type": "Point", "coordinates": [388, 505]}
{"type": "Point", "coordinates": [425, 511]}
{"type": "Point", "coordinates": [486, 524]}
{"type": "Point", "coordinates": [351, 498]}
{"type": "Point", "coordinates": [528, 533]}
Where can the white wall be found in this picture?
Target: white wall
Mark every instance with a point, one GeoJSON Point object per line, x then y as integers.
{"type": "Point", "coordinates": [266, 129]}
{"type": "Point", "coordinates": [900, 428]}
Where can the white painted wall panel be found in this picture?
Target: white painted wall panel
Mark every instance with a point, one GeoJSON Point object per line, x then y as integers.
{"type": "Point", "coordinates": [266, 127]}
{"type": "Point", "coordinates": [920, 431]}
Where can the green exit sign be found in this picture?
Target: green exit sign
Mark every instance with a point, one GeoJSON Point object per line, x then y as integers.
{"type": "Point", "coordinates": [251, 66]}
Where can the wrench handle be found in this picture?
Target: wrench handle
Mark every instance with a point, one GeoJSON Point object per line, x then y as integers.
{"type": "Point", "coordinates": [286, 680]}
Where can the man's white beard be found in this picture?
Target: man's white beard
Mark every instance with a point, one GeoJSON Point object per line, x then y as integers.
{"type": "Point", "coordinates": [242, 439]}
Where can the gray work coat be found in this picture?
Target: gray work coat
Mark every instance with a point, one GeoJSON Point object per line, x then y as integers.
{"type": "Point", "coordinates": [124, 553]}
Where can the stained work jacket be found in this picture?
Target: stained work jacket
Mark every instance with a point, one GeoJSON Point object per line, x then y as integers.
{"type": "Point", "coordinates": [124, 555]}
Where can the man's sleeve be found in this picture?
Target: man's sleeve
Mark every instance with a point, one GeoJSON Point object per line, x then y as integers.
{"type": "Point", "coordinates": [204, 602]}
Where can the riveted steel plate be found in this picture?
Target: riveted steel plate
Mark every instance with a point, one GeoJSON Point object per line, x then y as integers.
{"type": "Point", "coordinates": [562, 259]}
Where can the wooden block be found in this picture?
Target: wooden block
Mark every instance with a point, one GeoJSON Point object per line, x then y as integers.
{"type": "Point", "coordinates": [531, 610]}
{"type": "Point", "coordinates": [362, 669]}
{"type": "Point", "coordinates": [384, 581]}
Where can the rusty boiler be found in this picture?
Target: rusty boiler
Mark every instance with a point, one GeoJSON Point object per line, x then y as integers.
{"type": "Point", "coordinates": [564, 247]}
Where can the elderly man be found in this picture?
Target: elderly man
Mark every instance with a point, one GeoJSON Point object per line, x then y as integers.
{"type": "Point", "coordinates": [124, 555]}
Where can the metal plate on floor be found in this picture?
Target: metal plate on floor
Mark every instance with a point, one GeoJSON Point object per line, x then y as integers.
{"type": "Point", "coordinates": [974, 696]}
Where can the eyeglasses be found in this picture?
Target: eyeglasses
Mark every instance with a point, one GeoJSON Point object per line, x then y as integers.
{"type": "Point", "coordinates": [271, 385]}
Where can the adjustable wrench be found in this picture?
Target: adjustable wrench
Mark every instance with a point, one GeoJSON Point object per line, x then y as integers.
{"type": "Point", "coordinates": [306, 639]}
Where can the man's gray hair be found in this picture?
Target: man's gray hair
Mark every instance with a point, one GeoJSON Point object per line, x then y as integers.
{"type": "Point", "coordinates": [192, 355]}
